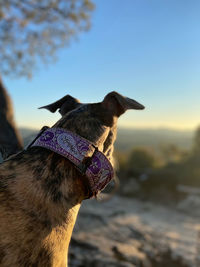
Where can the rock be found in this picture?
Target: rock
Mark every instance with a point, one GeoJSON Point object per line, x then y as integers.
{"type": "Point", "coordinates": [131, 255]}
{"type": "Point", "coordinates": [190, 205]}
{"type": "Point", "coordinates": [127, 232]}
{"type": "Point", "coordinates": [82, 244]}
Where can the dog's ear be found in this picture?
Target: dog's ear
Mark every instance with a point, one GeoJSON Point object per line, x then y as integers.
{"type": "Point", "coordinates": [65, 104]}
{"type": "Point", "coordinates": [118, 104]}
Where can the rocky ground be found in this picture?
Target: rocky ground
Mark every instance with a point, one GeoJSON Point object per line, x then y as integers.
{"type": "Point", "coordinates": [126, 232]}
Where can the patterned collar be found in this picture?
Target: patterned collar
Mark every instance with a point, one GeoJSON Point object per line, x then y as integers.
{"type": "Point", "coordinates": [92, 163]}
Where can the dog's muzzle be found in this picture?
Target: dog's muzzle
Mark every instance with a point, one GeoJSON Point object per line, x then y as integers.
{"type": "Point", "coordinates": [91, 163]}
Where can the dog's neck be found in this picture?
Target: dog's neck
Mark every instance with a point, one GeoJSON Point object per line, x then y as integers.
{"type": "Point", "coordinates": [91, 163]}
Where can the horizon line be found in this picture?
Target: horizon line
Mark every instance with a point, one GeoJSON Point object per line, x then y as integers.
{"type": "Point", "coordinates": [145, 128]}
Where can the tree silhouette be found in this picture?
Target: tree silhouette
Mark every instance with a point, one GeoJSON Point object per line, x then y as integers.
{"type": "Point", "coordinates": [10, 140]}
{"type": "Point", "coordinates": [33, 31]}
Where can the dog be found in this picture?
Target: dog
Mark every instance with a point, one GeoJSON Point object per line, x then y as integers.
{"type": "Point", "coordinates": [41, 190]}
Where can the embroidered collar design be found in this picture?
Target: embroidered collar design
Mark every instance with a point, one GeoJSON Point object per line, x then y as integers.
{"type": "Point", "coordinates": [87, 159]}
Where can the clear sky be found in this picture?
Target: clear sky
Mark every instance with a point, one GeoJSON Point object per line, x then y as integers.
{"type": "Point", "coordinates": [148, 50]}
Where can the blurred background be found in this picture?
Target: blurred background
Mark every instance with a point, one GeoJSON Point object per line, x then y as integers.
{"type": "Point", "coordinates": [148, 51]}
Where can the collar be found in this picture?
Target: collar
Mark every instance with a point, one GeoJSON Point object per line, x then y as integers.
{"type": "Point", "coordinates": [91, 163]}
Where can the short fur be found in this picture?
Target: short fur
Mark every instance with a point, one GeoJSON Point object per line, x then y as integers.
{"type": "Point", "coordinates": [41, 191]}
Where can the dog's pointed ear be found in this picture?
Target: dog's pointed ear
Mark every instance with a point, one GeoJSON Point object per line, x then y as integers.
{"type": "Point", "coordinates": [118, 104]}
{"type": "Point", "coordinates": [65, 104]}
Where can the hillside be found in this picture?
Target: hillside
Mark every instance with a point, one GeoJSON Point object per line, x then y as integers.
{"type": "Point", "coordinates": [128, 138]}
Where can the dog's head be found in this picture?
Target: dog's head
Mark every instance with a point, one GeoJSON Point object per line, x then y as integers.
{"type": "Point", "coordinates": [96, 122]}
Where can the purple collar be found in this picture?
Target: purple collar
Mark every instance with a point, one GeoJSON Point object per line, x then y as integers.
{"type": "Point", "coordinates": [85, 156]}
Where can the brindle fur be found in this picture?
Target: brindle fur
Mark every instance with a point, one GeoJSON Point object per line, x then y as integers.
{"type": "Point", "coordinates": [41, 191]}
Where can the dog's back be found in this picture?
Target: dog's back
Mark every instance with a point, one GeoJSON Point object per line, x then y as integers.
{"type": "Point", "coordinates": [35, 226]}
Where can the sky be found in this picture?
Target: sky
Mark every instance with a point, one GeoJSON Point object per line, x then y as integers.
{"type": "Point", "coordinates": [148, 50]}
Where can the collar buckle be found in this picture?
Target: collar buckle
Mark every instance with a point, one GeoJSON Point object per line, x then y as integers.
{"type": "Point", "coordinates": [82, 167]}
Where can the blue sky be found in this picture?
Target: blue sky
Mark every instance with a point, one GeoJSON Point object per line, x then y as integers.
{"type": "Point", "coordinates": [148, 50]}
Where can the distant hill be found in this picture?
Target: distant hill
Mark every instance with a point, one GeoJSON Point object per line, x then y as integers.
{"type": "Point", "coordinates": [129, 138]}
